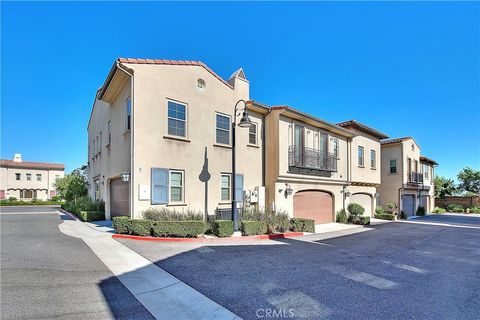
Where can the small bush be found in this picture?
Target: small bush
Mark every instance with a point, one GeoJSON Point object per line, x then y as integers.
{"type": "Point", "coordinates": [362, 220]}
{"type": "Point", "coordinates": [250, 228]}
{"type": "Point", "coordinates": [280, 222]}
{"type": "Point", "coordinates": [91, 215]}
{"type": "Point", "coordinates": [302, 225]}
{"type": "Point", "coordinates": [121, 224]}
{"type": "Point", "coordinates": [474, 209]}
{"type": "Point", "coordinates": [342, 216]}
{"type": "Point", "coordinates": [181, 229]}
{"type": "Point", "coordinates": [139, 227]}
{"type": "Point", "coordinates": [165, 214]}
{"type": "Point", "coordinates": [385, 216]}
{"type": "Point", "coordinates": [439, 210]}
{"type": "Point", "coordinates": [455, 208]}
{"type": "Point", "coordinates": [379, 210]}
{"type": "Point", "coordinates": [56, 198]}
{"type": "Point", "coordinates": [12, 199]}
{"type": "Point", "coordinates": [420, 211]}
{"type": "Point", "coordinates": [355, 209]}
{"type": "Point", "coordinates": [222, 228]}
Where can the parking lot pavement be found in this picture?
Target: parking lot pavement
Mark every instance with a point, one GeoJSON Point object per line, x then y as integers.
{"type": "Point", "coordinates": [394, 271]}
{"type": "Point", "coordinates": [46, 274]}
{"type": "Point", "coordinates": [472, 220]}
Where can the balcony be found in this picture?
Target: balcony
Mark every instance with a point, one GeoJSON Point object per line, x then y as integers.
{"type": "Point", "coordinates": [415, 177]}
{"type": "Point", "coordinates": [310, 161]}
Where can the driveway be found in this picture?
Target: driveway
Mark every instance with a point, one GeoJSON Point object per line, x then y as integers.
{"type": "Point", "coordinates": [400, 270]}
{"type": "Point", "coordinates": [46, 274]}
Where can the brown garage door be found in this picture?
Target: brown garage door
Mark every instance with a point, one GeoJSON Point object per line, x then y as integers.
{"type": "Point", "coordinates": [118, 198]}
{"type": "Point", "coordinates": [313, 204]}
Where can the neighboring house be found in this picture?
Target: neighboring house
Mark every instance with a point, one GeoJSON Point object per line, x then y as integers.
{"type": "Point", "coordinates": [167, 125]}
{"type": "Point", "coordinates": [25, 180]}
{"type": "Point", "coordinates": [365, 165]}
{"type": "Point", "coordinates": [407, 177]}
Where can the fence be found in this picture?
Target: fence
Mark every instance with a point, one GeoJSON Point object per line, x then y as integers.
{"type": "Point", "coordinates": [462, 201]}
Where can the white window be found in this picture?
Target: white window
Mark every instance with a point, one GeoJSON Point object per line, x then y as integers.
{"type": "Point", "coordinates": [109, 132]}
{"type": "Point", "coordinates": [39, 177]}
{"type": "Point", "coordinates": [128, 114]}
{"type": "Point", "coordinates": [426, 170]}
{"type": "Point", "coordinates": [97, 189]}
{"type": "Point", "coordinates": [373, 159]}
{"type": "Point", "coordinates": [29, 176]}
{"type": "Point", "coordinates": [176, 186]}
{"type": "Point", "coordinates": [225, 187]}
{"type": "Point", "coordinates": [393, 166]}
{"type": "Point", "coordinates": [252, 134]}
{"type": "Point", "coordinates": [17, 176]}
{"type": "Point", "coordinates": [360, 156]}
{"type": "Point", "coordinates": [335, 147]}
{"type": "Point", "coordinates": [223, 129]}
{"type": "Point", "coordinates": [21, 194]}
{"type": "Point", "coordinates": [177, 119]}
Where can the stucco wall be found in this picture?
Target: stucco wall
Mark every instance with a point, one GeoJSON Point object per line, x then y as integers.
{"type": "Point", "coordinates": [390, 182]}
{"type": "Point", "coordinates": [8, 181]}
{"type": "Point", "coordinates": [365, 174]}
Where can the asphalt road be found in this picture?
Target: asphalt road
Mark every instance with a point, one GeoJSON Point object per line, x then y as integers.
{"type": "Point", "coordinates": [46, 274]}
{"type": "Point", "coordinates": [398, 270]}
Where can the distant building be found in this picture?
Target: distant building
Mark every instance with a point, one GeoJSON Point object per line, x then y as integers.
{"type": "Point", "coordinates": [29, 180]}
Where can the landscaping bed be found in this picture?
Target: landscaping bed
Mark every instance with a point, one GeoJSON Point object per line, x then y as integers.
{"type": "Point", "coordinates": [15, 202]}
{"type": "Point", "coordinates": [86, 209]}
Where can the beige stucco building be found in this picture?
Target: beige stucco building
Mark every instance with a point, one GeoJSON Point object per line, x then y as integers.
{"type": "Point", "coordinates": [407, 177]}
{"type": "Point", "coordinates": [168, 125]}
{"type": "Point", "coordinates": [25, 180]}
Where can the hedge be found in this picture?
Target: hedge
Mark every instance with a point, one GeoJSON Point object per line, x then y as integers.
{"type": "Point", "coordinates": [421, 211]}
{"type": "Point", "coordinates": [355, 209]}
{"type": "Point", "coordinates": [222, 228]}
{"type": "Point", "coordinates": [182, 229]}
{"type": "Point", "coordinates": [139, 227]}
{"type": "Point", "coordinates": [5, 203]}
{"type": "Point", "coordinates": [342, 216]}
{"type": "Point", "coordinates": [91, 215]}
{"type": "Point", "coordinates": [250, 228]}
{"type": "Point", "coordinates": [302, 225]}
{"type": "Point", "coordinates": [361, 220]}
{"type": "Point", "coordinates": [121, 224]}
{"type": "Point", "coordinates": [385, 216]}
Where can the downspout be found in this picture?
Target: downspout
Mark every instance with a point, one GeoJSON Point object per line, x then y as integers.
{"type": "Point", "coordinates": [403, 176]}
{"type": "Point", "coordinates": [349, 145]}
{"type": "Point", "coordinates": [263, 150]}
{"type": "Point", "coordinates": [132, 140]}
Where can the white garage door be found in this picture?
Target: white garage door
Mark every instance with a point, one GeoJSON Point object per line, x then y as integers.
{"type": "Point", "coordinates": [363, 199]}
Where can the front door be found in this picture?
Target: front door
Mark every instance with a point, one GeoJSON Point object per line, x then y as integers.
{"type": "Point", "coordinates": [299, 143]}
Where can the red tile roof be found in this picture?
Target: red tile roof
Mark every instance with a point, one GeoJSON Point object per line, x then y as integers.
{"type": "Point", "coordinates": [31, 165]}
{"type": "Point", "coordinates": [174, 62]}
{"type": "Point", "coordinates": [428, 160]}
{"type": "Point", "coordinates": [362, 127]}
{"type": "Point", "coordinates": [396, 140]}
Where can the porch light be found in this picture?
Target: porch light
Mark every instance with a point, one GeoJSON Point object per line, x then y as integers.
{"type": "Point", "coordinates": [245, 122]}
{"type": "Point", "coordinates": [125, 176]}
{"type": "Point", "coordinates": [288, 190]}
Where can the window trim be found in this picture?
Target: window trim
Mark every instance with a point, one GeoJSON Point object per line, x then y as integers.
{"type": "Point", "coordinates": [254, 125]}
{"type": "Point", "coordinates": [229, 129]}
{"type": "Point", "coordinates": [374, 159]}
{"type": "Point", "coordinates": [336, 151]}
{"type": "Point", "coordinates": [229, 175]}
{"type": "Point", "coordinates": [28, 176]}
{"type": "Point", "coordinates": [361, 165]}
{"type": "Point", "coordinates": [182, 172]}
{"type": "Point", "coordinates": [390, 166]}
{"type": "Point", "coordinates": [167, 134]}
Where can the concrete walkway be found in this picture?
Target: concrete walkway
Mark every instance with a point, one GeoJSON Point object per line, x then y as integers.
{"type": "Point", "coordinates": [163, 295]}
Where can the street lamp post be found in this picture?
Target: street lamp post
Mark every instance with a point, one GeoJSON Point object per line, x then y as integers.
{"type": "Point", "coordinates": [245, 122]}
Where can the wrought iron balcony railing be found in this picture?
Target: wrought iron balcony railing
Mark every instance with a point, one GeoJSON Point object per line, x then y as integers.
{"type": "Point", "coordinates": [415, 177]}
{"type": "Point", "coordinates": [309, 158]}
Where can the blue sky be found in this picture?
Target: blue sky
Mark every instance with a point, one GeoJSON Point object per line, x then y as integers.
{"type": "Point", "coordinates": [404, 68]}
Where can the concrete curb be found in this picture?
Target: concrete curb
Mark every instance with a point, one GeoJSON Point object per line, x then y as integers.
{"type": "Point", "coordinates": [71, 215]}
{"type": "Point", "coordinates": [203, 240]}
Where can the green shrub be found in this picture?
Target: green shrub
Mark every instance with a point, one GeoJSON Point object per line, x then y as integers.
{"type": "Point", "coordinates": [385, 216]}
{"type": "Point", "coordinates": [250, 228]}
{"type": "Point", "coordinates": [12, 199]}
{"type": "Point", "coordinates": [474, 209]}
{"type": "Point", "coordinates": [355, 209]}
{"type": "Point", "coordinates": [56, 198]}
{"type": "Point", "coordinates": [403, 215]}
{"type": "Point", "coordinates": [182, 229]}
{"type": "Point", "coordinates": [276, 221]}
{"type": "Point", "coordinates": [455, 208]}
{"type": "Point", "coordinates": [379, 210]}
{"type": "Point", "coordinates": [420, 211]}
{"type": "Point", "coordinates": [222, 228]}
{"type": "Point", "coordinates": [362, 220]}
{"type": "Point", "coordinates": [439, 210]}
{"type": "Point", "coordinates": [165, 214]}
{"type": "Point", "coordinates": [139, 227]}
{"type": "Point", "coordinates": [302, 225]}
{"type": "Point", "coordinates": [342, 216]}
{"type": "Point", "coordinates": [91, 215]}
{"type": "Point", "coordinates": [121, 224]}
{"type": "Point", "coordinates": [280, 222]}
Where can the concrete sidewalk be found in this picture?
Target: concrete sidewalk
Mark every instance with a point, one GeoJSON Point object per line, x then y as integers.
{"type": "Point", "coordinates": [163, 295]}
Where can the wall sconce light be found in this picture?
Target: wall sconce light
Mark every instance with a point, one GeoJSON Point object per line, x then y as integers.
{"type": "Point", "coordinates": [125, 176]}
{"type": "Point", "coordinates": [288, 189]}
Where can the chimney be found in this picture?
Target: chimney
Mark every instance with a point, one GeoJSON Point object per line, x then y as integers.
{"type": "Point", "coordinates": [17, 158]}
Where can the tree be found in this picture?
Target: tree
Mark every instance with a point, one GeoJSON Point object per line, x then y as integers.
{"type": "Point", "coordinates": [444, 187]}
{"type": "Point", "coordinates": [73, 185]}
{"type": "Point", "coordinates": [469, 180]}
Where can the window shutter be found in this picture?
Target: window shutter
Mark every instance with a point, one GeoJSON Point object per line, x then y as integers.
{"type": "Point", "coordinates": [239, 187]}
{"type": "Point", "coordinates": [159, 192]}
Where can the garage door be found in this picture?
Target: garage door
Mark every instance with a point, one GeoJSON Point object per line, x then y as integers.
{"type": "Point", "coordinates": [118, 198]}
{"type": "Point", "coordinates": [365, 200]}
{"type": "Point", "coordinates": [424, 201]}
{"type": "Point", "coordinates": [312, 204]}
{"type": "Point", "coordinates": [408, 205]}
